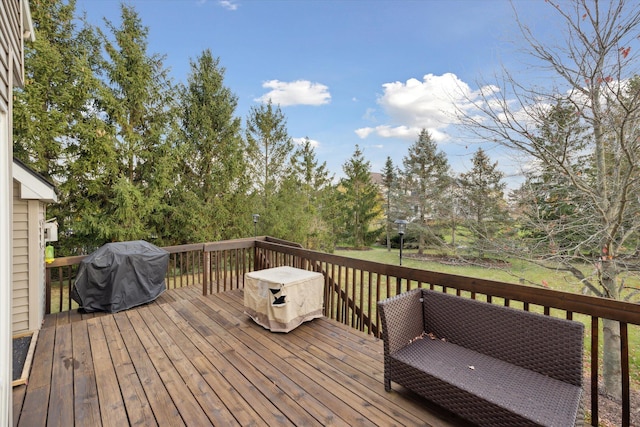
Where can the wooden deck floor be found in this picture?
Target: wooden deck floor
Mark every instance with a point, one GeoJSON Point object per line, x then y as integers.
{"type": "Point", "coordinates": [197, 361]}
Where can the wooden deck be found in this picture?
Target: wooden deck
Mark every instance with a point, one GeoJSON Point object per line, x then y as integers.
{"type": "Point", "coordinates": [196, 361]}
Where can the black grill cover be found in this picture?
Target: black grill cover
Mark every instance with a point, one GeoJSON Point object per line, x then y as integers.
{"type": "Point", "coordinates": [120, 275]}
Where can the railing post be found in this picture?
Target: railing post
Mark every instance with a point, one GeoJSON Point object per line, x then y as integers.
{"type": "Point", "coordinates": [594, 370]}
{"type": "Point", "coordinates": [47, 308]}
{"type": "Point", "coordinates": [255, 256]}
{"type": "Point", "coordinates": [205, 271]}
{"type": "Point", "coordinates": [624, 362]}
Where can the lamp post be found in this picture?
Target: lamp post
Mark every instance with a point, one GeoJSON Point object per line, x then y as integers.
{"type": "Point", "coordinates": [402, 227]}
{"type": "Point", "coordinates": [255, 225]}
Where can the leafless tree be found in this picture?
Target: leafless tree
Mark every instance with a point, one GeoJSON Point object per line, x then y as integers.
{"type": "Point", "coordinates": [594, 157]}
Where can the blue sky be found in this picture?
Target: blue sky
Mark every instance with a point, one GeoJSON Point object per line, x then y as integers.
{"type": "Point", "coordinates": [345, 72]}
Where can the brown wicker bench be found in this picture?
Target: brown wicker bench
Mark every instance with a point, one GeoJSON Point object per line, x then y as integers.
{"type": "Point", "coordinates": [491, 365]}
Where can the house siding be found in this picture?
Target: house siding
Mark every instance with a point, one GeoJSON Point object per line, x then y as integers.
{"type": "Point", "coordinates": [11, 74]}
{"type": "Point", "coordinates": [20, 276]}
{"type": "Point", "coordinates": [11, 47]}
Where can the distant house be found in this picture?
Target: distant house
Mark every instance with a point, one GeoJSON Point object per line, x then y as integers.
{"type": "Point", "coordinates": [31, 193]}
{"type": "Point", "coordinates": [15, 27]}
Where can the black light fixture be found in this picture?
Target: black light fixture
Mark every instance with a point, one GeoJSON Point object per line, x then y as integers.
{"type": "Point", "coordinates": [402, 227]}
{"type": "Point", "coordinates": [255, 225]}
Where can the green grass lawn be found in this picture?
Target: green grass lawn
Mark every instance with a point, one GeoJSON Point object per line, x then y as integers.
{"type": "Point", "coordinates": [532, 274]}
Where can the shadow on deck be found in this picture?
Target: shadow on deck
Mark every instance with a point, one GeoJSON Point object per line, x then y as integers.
{"type": "Point", "coordinates": [196, 360]}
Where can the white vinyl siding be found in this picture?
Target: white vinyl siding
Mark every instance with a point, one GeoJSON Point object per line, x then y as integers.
{"type": "Point", "coordinates": [20, 298]}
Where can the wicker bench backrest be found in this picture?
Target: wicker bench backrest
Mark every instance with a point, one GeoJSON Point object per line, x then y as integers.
{"type": "Point", "coordinates": [544, 344]}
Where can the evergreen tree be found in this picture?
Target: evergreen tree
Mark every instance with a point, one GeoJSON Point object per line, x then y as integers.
{"type": "Point", "coordinates": [211, 200]}
{"type": "Point", "coordinates": [139, 111]}
{"type": "Point", "coordinates": [482, 200]}
{"type": "Point", "coordinates": [426, 173]}
{"type": "Point", "coordinates": [60, 85]}
{"type": "Point", "coordinates": [553, 210]}
{"type": "Point", "coordinates": [315, 187]}
{"type": "Point", "coordinates": [56, 119]}
{"type": "Point", "coordinates": [450, 207]}
{"type": "Point", "coordinates": [390, 181]}
{"type": "Point", "coordinates": [269, 151]}
{"type": "Point", "coordinates": [360, 201]}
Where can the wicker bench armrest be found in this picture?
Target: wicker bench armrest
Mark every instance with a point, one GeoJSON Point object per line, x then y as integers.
{"type": "Point", "coordinates": [402, 320]}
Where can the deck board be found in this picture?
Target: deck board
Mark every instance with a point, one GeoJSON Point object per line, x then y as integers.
{"type": "Point", "coordinates": [108, 391]}
{"type": "Point", "coordinates": [86, 404]}
{"type": "Point", "coordinates": [196, 360]}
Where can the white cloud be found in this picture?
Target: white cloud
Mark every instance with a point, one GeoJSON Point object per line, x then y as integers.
{"type": "Point", "coordinates": [299, 92]}
{"type": "Point", "coordinates": [228, 4]}
{"type": "Point", "coordinates": [432, 103]}
{"type": "Point", "coordinates": [402, 132]}
{"type": "Point", "coordinates": [364, 132]}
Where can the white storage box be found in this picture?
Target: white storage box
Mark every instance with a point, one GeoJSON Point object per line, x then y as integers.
{"type": "Point", "coordinates": [281, 298]}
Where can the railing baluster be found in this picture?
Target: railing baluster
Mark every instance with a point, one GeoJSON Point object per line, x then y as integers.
{"type": "Point", "coordinates": [61, 285]}
{"type": "Point", "coordinates": [361, 298]}
{"type": "Point", "coordinates": [69, 284]}
{"type": "Point", "coordinates": [353, 296]}
{"type": "Point", "coordinates": [624, 364]}
{"type": "Point", "coordinates": [339, 306]}
{"type": "Point", "coordinates": [594, 370]}
{"type": "Point", "coordinates": [205, 276]}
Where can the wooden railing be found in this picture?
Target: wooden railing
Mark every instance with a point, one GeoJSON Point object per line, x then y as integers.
{"type": "Point", "coordinates": [186, 268]}
{"type": "Point", "coordinates": [353, 287]}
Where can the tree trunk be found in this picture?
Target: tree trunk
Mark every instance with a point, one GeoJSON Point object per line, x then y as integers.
{"type": "Point", "coordinates": [611, 370]}
{"type": "Point", "coordinates": [421, 241]}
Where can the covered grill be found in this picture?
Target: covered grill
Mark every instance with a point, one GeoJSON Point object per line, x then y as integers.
{"type": "Point", "coordinates": [120, 275]}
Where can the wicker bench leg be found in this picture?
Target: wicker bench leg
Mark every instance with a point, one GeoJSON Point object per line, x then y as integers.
{"type": "Point", "coordinates": [387, 384]}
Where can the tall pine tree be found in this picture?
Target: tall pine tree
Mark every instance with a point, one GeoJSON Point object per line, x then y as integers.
{"type": "Point", "coordinates": [361, 202]}
{"type": "Point", "coordinates": [426, 172]}
{"type": "Point", "coordinates": [314, 185]}
{"type": "Point", "coordinates": [139, 112]}
{"type": "Point", "coordinates": [211, 200]}
{"type": "Point", "coordinates": [269, 151]}
{"type": "Point", "coordinates": [58, 130]}
{"type": "Point", "coordinates": [483, 200]}
{"type": "Point", "coordinates": [390, 181]}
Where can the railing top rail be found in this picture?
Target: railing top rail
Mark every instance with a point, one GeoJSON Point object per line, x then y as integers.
{"type": "Point", "coordinates": [584, 304]}
{"type": "Point", "coordinates": [66, 261]}
{"type": "Point", "coordinates": [230, 244]}
{"type": "Point", "coordinates": [184, 248]}
{"type": "Point", "coordinates": [73, 260]}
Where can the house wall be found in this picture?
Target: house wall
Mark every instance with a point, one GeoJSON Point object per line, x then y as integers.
{"type": "Point", "coordinates": [11, 66]}
{"type": "Point", "coordinates": [28, 263]}
{"type": "Point", "coordinates": [11, 47]}
{"type": "Point", "coordinates": [20, 281]}
{"type": "Point", "coordinates": [37, 271]}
